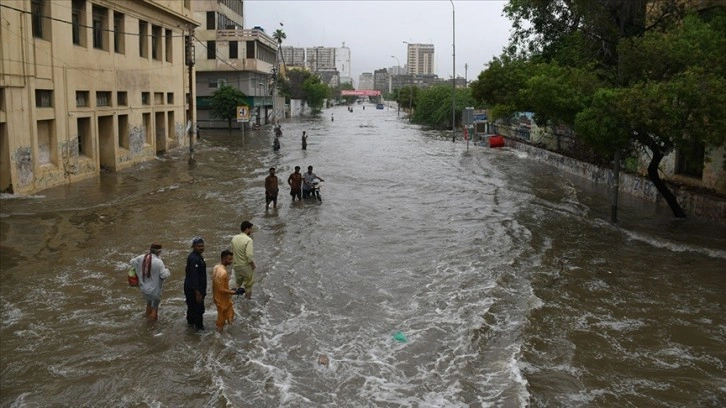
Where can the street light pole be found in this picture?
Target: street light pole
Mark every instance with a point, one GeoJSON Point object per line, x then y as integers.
{"type": "Point", "coordinates": [398, 67]}
{"type": "Point", "coordinates": [453, 74]}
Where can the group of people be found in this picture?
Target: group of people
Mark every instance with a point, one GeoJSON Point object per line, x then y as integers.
{"type": "Point", "coordinates": [152, 273]}
{"type": "Point", "coordinates": [301, 185]}
{"type": "Point", "coordinates": [278, 134]}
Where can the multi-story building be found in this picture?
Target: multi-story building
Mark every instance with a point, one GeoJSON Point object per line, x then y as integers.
{"type": "Point", "coordinates": [420, 59]}
{"type": "Point", "coordinates": [320, 58]}
{"type": "Point", "coordinates": [226, 53]}
{"type": "Point", "coordinates": [87, 85]}
{"type": "Point", "coordinates": [381, 80]}
{"type": "Point", "coordinates": [293, 57]}
{"type": "Point", "coordinates": [365, 81]}
{"type": "Point", "coordinates": [342, 64]}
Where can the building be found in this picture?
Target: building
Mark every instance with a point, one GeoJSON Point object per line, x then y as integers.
{"type": "Point", "coordinates": [226, 53]}
{"type": "Point", "coordinates": [381, 80]}
{"type": "Point", "coordinates": [293, 57]}
{"type": "Point", "coordinates": [420, 59]}
{"type": "Point", "coordinates": [342, 64]}
{"type": "Point", "coordinates": [320, 59]}
{"type": "Point", "coordinates": [365, 81]}
{"type": "Point", "coordinates": [90, 85]}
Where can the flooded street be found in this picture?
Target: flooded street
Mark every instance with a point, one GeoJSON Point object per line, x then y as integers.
{"type": "Point", "coordinates": [504, 275]}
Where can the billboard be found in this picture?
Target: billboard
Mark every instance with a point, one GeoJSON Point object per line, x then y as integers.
{"type": "Point", "coordinates": [364, 92]}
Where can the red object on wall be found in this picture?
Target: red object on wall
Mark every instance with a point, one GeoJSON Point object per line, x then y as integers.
{"type": "Point", "coordinates": [496, 141]}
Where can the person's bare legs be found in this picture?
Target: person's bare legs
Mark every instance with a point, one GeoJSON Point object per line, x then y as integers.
{"type": "Point", "coordinates": [151, 314]}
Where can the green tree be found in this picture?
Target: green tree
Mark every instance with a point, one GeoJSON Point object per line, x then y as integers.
{"type": "Point", "coordinates": [279, 36]}
{"type": "Point", "coordinates": [433, 106]}
{"type": "Point", "coordinates": [224, 103]}
{"type": "Point", "coordinates": [406, 96]}
{"type": "Point", "coordinates": [618, 75]}
{"type": "Point", "coordinates": [292, 85]}
{"type": "Point", "coordinates": [315, 92]}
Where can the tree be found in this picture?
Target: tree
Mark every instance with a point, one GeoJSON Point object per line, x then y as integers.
{"type": "Point", "coordinates": [292, 86]}
{"type": "Point", "coordinates": [278, 36]}
{"type": "Point", "coordinates": [315, 92]}
{"type": "Point", "coordinates": [224, 103]}
{"type": "Point", "coordinates": [621, 73]}
{"type": "Point", "coordinates": [433, 106]}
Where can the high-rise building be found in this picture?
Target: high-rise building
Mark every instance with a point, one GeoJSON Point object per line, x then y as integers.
{"type": "Point", "coordinates": [342, 63]}
{"type": "Point", "coordinates": [293, 56]}
{"type": "Point", "coordinates": [365, 81]}
{"type": "Point", "coordinates": [320, 58]}
{"type": "Point", "coordinates": [420, 59]}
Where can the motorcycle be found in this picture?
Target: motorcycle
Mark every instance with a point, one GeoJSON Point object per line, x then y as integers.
{"type": "Point", "coordinates": [314, 191]}
{"type": "Point", "coordinates": [255, 126]}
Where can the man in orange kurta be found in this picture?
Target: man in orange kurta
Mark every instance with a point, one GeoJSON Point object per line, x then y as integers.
{"type": "Point", "coordinates": [221, 291]}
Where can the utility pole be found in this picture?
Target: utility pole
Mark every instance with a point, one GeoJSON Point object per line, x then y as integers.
{"type": "Point", "coordinates": [453, 72]}
{"type": "Point", "coordinates": [190, 64]}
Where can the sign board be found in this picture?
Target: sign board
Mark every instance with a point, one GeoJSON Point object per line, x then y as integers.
{"type": "Point", "coordinates": [364, 92]}
{"type": "Point", "coordinates": [243, 113]}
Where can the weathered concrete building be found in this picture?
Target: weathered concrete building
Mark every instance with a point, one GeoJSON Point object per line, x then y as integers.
{"type": "Point", "coordinates": [89, 85]}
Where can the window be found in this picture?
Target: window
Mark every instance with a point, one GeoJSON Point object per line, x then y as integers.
{"type": "Point", "coordinates": [40, 13]}
{"type": "Point", "coordinates": [122, 99]}
{"type": "Point", "coordinates": [143, 40]}
{"type": "Point", "coordinates": [158, 98]}
{"type": "Point", "coordinates": [103, 98]}
{"type": "Point", "coordinates": [233, 50]}
{"type": "Point", "coordinates": [187, 4]}
{"type": "Point", "coordinates": [170, 98]}
{"type": "Point", "coordinates": [82, 99]}
{"type": "Point", "coordinates": [169, 41]}
{"type": "Point", "coordinates": [78, 22]}
{"type": "Point", "coordinates": [156, 42]}
{"type": "Point", "coordinates": [211, 50]}
{"type": "Point", "coordinates": [212, 84]}
{"type": "Point", "coordinates": [250, 49]}
{"type": "Point", "coordinates": [119, 29]}
{"type": "Point", "coordinates": [100, 28]}
{"type": "Point", "coordinates": [43, 98]}
{"type": "Point", "coordinates": [210, 20]}
{"type": "Point", "coordinates": [145, 98]}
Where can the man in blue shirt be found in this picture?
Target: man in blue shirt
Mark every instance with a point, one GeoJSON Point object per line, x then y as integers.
{"type": "Point", "coordinates": [195, 284]}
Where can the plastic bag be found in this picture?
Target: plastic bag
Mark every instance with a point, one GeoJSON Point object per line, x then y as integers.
{"type": "Point", "coordinates": [133, 278]}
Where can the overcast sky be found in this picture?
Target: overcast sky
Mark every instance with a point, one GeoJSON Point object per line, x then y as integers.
{"type": "Point", "coordinates": [375, 30]}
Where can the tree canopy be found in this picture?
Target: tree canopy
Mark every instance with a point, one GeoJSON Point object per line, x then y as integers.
{"type": "Point", "coordinates": [224, 103]}
{"type": "Point", "coordinates": [433, 105]}
{"type": "Point", "coordinates": [620, 73]}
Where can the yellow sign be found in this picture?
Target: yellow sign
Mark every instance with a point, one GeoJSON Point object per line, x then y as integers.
{"type": "Point", "coordinates": [243, 113]}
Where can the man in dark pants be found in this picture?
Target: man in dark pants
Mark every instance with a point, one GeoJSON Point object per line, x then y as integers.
{"type": "Point", "coordinates": [195, 284]}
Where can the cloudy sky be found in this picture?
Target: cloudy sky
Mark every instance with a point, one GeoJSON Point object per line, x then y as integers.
{"type": "Point", "coordinates": [375, 30]}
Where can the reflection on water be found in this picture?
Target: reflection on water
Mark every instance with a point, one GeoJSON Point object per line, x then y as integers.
{"type": "Point", "coordinates": [509, 284]}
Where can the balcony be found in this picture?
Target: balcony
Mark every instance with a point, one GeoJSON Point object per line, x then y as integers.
{"type": "Point", "coordinates": [247, 35]}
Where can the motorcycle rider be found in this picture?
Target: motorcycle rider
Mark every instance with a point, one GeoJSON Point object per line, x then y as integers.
{"type": "Point", "coordinates": [308, 179]}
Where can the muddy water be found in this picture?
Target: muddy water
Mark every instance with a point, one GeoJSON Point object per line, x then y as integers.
{"type": "Point", "coordinates": [503, 274]}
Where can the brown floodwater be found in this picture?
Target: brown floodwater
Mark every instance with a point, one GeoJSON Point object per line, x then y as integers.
{"type": "Point", "coordinates": [507, 283]}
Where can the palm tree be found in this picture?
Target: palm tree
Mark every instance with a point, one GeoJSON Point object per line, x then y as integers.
{"type": "Point", "coordinates": [279, 35]}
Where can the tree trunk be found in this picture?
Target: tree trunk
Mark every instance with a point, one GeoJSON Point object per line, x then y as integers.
{"type": "Point", "coordinates": [661, 186]}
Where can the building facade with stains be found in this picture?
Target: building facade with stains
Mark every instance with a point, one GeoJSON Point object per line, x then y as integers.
{"type": "Point", "coordinates": [90, 85]}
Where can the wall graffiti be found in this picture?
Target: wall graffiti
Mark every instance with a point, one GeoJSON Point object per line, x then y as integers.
{"type": "Point", "coordinates": [23, 159]}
